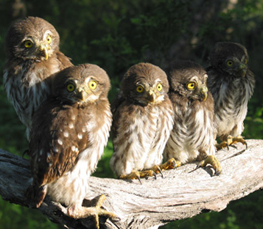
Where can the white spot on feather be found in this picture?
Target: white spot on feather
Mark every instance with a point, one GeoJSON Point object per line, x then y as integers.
{"type": "Point", "coordinates": [66, 134]}
{"type": "Point", "coordinates": [80, 136]}
{"type": "Point", "coordinates": [60, 141]}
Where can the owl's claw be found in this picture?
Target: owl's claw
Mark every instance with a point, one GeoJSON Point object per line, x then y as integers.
{"type": "Point", "coordinates": [230, 141]}
{"type": "Point", "coordinates": [170, 164]}
{"type": "Point", "coordinates": [152, 172]}
{"type": "Point", "coordinates": [213, 161]}
{"type": "Point", "coordinates": [78, 212]}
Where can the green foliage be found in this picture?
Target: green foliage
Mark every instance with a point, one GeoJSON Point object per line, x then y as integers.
{"type": "Point", "coordinates": [116, 34]}
{"type": "Point", "coordinates": [15, 216]}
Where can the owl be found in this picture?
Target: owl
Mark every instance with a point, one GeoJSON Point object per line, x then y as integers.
{"type": "Point", "coordinates": [231, 84]}
{"type": "Point", "coordinates": [193, 134]}
{"type": "Point", "coordinates": [32, 51]}
{"type": "Point", "coordinates": [68, 135]}
{"type": "Point", "coordinates": [142, 122]}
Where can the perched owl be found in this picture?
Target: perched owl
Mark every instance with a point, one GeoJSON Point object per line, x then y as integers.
{"type": "Point", "coordinates": [68, 135]}
{"type": "Point", "coordinates": [231, 84]}
{"type": "Point", "coordinates": [142, 122]}
{"type": "Point", "coordinates": [193, 134]}
{"type": "Point", "coordinates": [32, 51]}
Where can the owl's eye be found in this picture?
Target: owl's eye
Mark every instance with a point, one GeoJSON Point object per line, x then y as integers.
{"type": "Point", "coordinates": [28, 44]}
{"type": "Point", "coordinates": [159, 87]}
{"type": "Point", "coordinates": [139, 89]}
{"type": "Point", "coordinates": [92, 85]}
{"type": "Point", "coordinates": [191, 85]}
{"type": "Point", "coordinates": [70, 87]}
{"type": "Point", "coordinates": [49, 39]}
{"type": "Point", "coordinates": [229, 63]}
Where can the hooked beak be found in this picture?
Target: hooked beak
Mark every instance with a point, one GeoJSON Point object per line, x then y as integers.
{"type": "Point", "coordinates": [243, 69]}
{"type": "Point", "coordinates": [203, 92]}
{"type": "Point", "coordinates": [43, 50]}
{"type": "Point", "coordinates": [82, 94]}
{"type": "Point", "coordinates": [151, 96]}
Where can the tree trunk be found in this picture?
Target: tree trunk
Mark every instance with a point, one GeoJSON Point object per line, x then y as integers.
{"type": "Point", "coordinates": [181, 193]}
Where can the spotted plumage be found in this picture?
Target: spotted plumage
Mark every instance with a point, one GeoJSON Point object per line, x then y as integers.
{"type": "Point", "coordinates": [32, 51]}
{"type": "Point", "coordinates": [68, 136]}
{"type": "Point", "coordinates": [192, 137]}
{"type": "Point", "coordinates": [231, 84]}
{"type": "Point", "coordinates": [142, 120]}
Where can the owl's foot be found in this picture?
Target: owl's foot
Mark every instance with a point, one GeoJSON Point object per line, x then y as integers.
{"type": "Point", "coordinates": [170, 164]}
{"type": "Point", "coordinates": [135, 174]}
{"type": "Point", "coordinates": [213, 161]}
{"type": "Point", "coordinates": [230, 141]}
{"type": "Point", "coordinates": [78, 212]}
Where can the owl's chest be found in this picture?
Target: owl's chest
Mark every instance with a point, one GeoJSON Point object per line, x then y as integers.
{"type": "Point", "coordinates": [191, 124]}
{"type": "Point", "coordinates": [232, 99]}
{"type": "Point", "coordinates": [29, 81]}
{"type": "Point", "coordinates": [151, 121]}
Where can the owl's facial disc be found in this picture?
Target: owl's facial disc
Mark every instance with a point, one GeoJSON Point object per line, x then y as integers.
{"type": "Point", "coordinates": [146, 94]}
{"type": "Point", "coordinates": [198, 88]}
{"type": "Point", "coordinates": [87, 91]}
{"type": "Point", "coordinates": [237, 67]}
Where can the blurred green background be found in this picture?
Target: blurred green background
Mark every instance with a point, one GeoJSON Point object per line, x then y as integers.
{"type": "Point", "coordinates": [116, 34]}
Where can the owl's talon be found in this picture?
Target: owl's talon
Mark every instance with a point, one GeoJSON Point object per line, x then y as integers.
{"type": "Point", "coordinates": [78, 212]}
{"type": "Point", "coordinates": [213, 161]}
{"type": "Point", "coordinates": [170, 164]}
{"type": "Point", "coordinates": [230, 141]}
{"type": "Point", "coordinates": [142, 174]}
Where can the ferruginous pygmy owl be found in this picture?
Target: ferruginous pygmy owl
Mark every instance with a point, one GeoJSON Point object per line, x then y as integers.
{"type": "Point", "coordinates": [142, 121]}
{"type": "Point", "coordinates": [68, 135]}
{"type": "Point", "coordinates": [231, 84]}
{"type": "Point", "coordinates": [193, 134]}
{"type": "Point", "coordinates": [32, 51]}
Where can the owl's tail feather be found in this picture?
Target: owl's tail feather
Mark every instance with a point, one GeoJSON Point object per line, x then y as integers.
{"type": "Point", "coordinates": [36, 195]}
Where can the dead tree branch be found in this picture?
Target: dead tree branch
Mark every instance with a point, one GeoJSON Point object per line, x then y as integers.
{"type": "Point", "coordinates": [182, 193]}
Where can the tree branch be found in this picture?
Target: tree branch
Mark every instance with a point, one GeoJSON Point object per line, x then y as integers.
{"type": "Point", "coordinates": [182, 193]}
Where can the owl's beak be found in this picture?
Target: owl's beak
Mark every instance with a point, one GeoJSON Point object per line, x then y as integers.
{"type": "Point", "coordinates": [82, 94]}
{"type": "Point", "coordinates": [203, 92]}
{"type": "Point", "coordinates": [151, 96]}
{"type": "Point", "coordinates": [243, 69]}
{"type": "Point", "coordinates": [43, 50]}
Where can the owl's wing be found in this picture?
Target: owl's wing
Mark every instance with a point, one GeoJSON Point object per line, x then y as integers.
{"type": "Point", "coordinates": [116, 104]}
{"type": "Point", "coordinates": [55, 143]}
{"type": "Point", "coordinates": [64, 60]}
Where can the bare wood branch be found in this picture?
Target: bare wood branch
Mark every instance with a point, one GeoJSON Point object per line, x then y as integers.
{"type": "Point", "coordinates": [182, 193]}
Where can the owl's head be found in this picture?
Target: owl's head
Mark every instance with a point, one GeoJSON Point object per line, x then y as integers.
{"type": "Point", "coordinates": [85, 83]}
{"type": "Point", "coordinates": [145, 83]}
{"type": "Point", "coordinates": [188, 79]}
{"type": "Point", "coordinates": [32, 38]}
{"type": "Point", "coordinates": [231, 58]}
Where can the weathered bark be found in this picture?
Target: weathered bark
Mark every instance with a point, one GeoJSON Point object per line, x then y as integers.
{"type": "Point", "coordinates": [182, 193]}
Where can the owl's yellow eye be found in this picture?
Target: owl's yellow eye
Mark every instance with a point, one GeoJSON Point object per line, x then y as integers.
{"type": "Point", "coordinates": [92, 85]}
{"type": "Point", "coordinates": [139, 89]}
{"type": "Point", "coordinates": [191, 85]}
{"type": "Point", "coordinates": [229, 63]}
{"type": "Point", "coordinates": [70, 87]}
{"type": "Point", "coordinates": [159, 87]}
{"type": "Point", "coordinates": [28, 44]}
{"type": "Point", "coordinates": [49, 39]}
